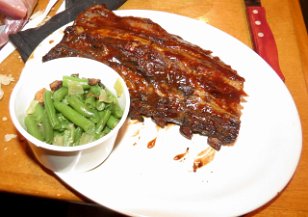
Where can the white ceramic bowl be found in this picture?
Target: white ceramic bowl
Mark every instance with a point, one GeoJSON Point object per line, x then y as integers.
{"type": "Point", "coordinates": [58, 158]}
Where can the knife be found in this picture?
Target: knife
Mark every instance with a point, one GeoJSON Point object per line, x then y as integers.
{"type": "Point", "coordinates": [262, 36]}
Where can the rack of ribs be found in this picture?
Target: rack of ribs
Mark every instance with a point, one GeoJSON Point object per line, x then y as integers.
{"type": "Point", "coordinates": [170, 80]}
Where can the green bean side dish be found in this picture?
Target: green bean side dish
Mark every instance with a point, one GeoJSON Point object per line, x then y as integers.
{"type": "Point", "coordinates": [73, 112]}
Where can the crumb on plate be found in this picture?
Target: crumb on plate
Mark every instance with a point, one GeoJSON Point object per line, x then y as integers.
{"type": "Point", "coordinates": [9, 137]}
{"type": "Point", "coordinates": [5, 80]}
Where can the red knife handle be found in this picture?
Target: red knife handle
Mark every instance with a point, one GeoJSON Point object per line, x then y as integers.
{"type": "Point", "coordinates": [263, 39]}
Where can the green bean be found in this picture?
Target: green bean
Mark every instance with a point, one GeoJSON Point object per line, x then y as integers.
{"type": "Point", "coordinates": [67, 80]}
{"type": "Point", "coordinates": [106, 130]}
{"type": "Point", "coordinates": [116, 110]}
{"type": "Point", "coordinates": [48, 130]}
{"type": "Point", "coordinates": [108, 106]}
{"type": "Point", "coordinates": [80, 107]}
{"type": "Point", "coordinates": [98, 135]}
{"type": "Point", "coordinates": [112, 122]}
{"type": "Point", "coordinates": [100, 106]}
{"type": "Point", "coordinates": [38, 112]}
{"type": "Point", "coordinates": [111, 97]}
{"type": "Point", "coordinates": [90, 101]}
{"type": "Point", "coordinates": [77, 135]}
{"type": "Point", "coordinates": [103, 120]}
{"type": "Point", "coordinates": [50, 109]}
{"type": "Point", "coordinates": [68, 135]}
{"type": "Point", "coordinates": [41, 118]}
{"type": "Point", "coordinates": [95, 90]}
{"type": "Point", "coordinates": [63, 122]}
{"type": "Point", "coordinates": [60, 93]}
{"type": "Point", "coordinates": [75, 117]}
{"type": "Point", "coordinates": [33, 128]}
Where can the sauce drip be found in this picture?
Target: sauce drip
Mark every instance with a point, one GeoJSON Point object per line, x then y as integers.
{"type": "Point", "coordinates": [151, 143]}
{"type": "Point", "coordinates": [182, 155]}
{"type": "Point", "coordinates": [203, 158]}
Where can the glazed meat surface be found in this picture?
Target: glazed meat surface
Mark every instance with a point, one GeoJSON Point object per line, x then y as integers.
{"type": "Point", "coordinates": [169, 79]}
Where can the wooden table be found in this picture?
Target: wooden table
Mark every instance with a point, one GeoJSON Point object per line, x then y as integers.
{"type": "Point", "coordinates": [21, 174]}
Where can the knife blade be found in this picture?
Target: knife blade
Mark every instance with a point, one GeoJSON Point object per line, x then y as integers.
{"type": "Point", "coordinates": [262, 36]}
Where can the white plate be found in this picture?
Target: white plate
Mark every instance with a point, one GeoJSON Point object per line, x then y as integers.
{"type": "Point", "coordinates": [139, 181]}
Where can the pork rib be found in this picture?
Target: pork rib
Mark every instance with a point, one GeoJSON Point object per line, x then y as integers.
{"type": "Point", "coordinates": [169, 79]}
